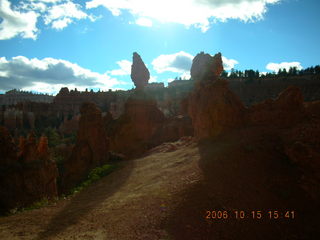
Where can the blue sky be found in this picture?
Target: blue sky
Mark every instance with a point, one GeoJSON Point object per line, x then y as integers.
{"type": "Point", "coordinates": [47, 44]}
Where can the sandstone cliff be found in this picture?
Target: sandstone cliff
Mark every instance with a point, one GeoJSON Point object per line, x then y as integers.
{"type": "Point", "coordinates": [91, 148]}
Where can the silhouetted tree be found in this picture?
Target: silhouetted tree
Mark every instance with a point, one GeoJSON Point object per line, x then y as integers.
{"type": "Point", "coordinates": [257, 74]}
{"type": "Point", "coordinates": [293, 71]}
{"type": "Point", "coordinates": [233, 73]}
{"type": "Point", "coordinates": [224, 74]}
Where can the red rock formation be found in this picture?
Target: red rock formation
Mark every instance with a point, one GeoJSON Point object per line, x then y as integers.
{"type": "Point", "coordinates": [213, 108]}
{"type": "Point", "coordinates": [90, 150]}
{"type": "Point", "coordinates": [135, 130]}
{"type": "Point", "coordinates": [27, 176]}
{"type": "Point", "coordinates": [30, 153]}
{"type": "Point", "coordinates": [286, 110]}
{"type": "Point", "coordinates": [43, 149]}
{"type": "Point", "coordinates": [139, 72]}
{"type": "Point", "coordinates": [174, 128]}
{"type": "Point", "coordinates": [283, 132]}
{"type": "Point", "coordinates": [205, 67]}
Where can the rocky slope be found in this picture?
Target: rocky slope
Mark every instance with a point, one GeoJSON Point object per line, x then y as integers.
{"type": "Point", "coordinates": [144, 188]}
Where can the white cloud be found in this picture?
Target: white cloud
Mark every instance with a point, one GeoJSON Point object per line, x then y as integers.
{"type": "Point", "coordinates": [262, 73]}
{"type": "Point", "coordinates": [59, 16]}
{"type": "Point", "coordinates": [146, 22]}
{"type": "Point", "coordinates": [61, 23]}
{"type": "Point", "coordinates": [21, 19]}
{"type": "Point", "coordinates": [185, 76]}
{"type": "Point", "coordinates": [125, 68]}
{"type": "Point", "coordinates": [178, 62]}
{"type": "Point", "coordinates": [181, 63]}
{"type": "Point", "coordinates": [153, 79]}
{"type": "Point", "coordinates": [48, 74]}
{"type": "Point", "coordinates": [276, 66]}
{"type": "Point", "coordinates": [15, 23]}
{"type": "Point", "coordinates": [34, 6]}
{"type": "Point", "coordinates": [198, 13]}
{"type": "Point", "coordinates": [228, 64]}
{"type": "Point", "coordinates": [50, 1]}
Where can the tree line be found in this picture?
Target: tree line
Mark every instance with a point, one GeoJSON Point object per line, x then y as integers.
{"type": "Point", "coordinates": [250, 74]}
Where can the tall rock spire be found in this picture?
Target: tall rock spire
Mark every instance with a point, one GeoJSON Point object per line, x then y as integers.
{"type": "Point", "coordinates": [139, 72]}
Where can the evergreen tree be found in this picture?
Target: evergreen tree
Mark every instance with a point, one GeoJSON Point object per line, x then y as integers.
{"type": "Point", "coordinates": [232, 73]}
{"type": "Point", "coordinates": [224, 74]}
{"type": "Point", "coordinates": [284, 72]}
{"type": "Point", "coordinates": [257, 74]}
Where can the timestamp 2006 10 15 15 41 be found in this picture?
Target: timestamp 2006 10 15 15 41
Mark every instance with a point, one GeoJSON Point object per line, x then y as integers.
{"type": "Point", "coordinates": [255, 214]}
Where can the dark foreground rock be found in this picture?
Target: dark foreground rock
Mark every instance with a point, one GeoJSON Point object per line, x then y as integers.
{"type": "Point", "coordinates": [26, 175]}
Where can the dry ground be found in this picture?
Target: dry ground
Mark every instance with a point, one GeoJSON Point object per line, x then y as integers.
{"type": "Point", "coordinates": [166, 195]}
{"type": "Point", "coordinates": [130, 203]}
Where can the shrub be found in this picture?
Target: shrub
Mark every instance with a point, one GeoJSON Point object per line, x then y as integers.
{"type": "Point", "coordinates": [95, 175]}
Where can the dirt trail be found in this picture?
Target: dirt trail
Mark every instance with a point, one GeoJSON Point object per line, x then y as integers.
{"type": "Point", "coordinates": [130, 203]}
{"type": "Point", "coordinates": [166, 195]}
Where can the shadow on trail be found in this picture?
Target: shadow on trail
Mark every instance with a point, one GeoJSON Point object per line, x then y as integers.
{"type": "Point", "coordinates": [247, 171]}
{"type": "Point", "coordinates": [87, 200]}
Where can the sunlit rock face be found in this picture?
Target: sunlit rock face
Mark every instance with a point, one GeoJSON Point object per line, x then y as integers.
{"type": "Point", "coordinates": [212, 106]}
{"type": "Point", "coordinates": [91, 148]}
{"type": "Point", "coordinates": [27, 172]}
{"type": "Point", "coordinates": [139, 72]}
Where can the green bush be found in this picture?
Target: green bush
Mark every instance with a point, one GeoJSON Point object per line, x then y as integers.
{"type": "Point", "coordinates": [95, 175]}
